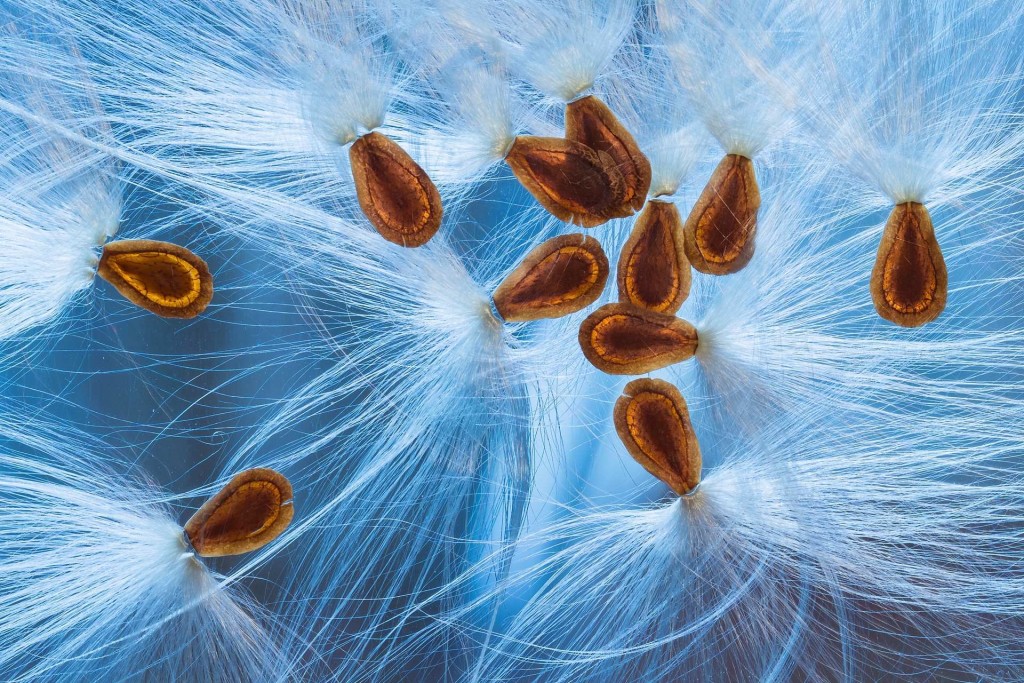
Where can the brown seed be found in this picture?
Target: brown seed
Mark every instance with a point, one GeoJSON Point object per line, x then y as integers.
{"type": "Point", "coordinates": [654, 425]}
{"type": "Point", "coordinates": [622, 339]}
{"type": "Point", "coordinates": [572, 181]}
{"type": "Point", "coordinates": [654, 272]}
{"type": "Point", "coordinates": [721, 227]}
{"type": "Point", "coordinates": [161, 277]}
{"type": "Point", "coordinates": [909, 282]}
{"type": "Point", "coordinates": [396, 194]}
{"type": "Point", "coordinates": [251, 511]}
{"type": "Point", "coordinates": [559, 277]}
{"type": "Point", "coordinates": [590, 121]}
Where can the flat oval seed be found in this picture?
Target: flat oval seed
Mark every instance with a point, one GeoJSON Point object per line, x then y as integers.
{"type": "Point", "coordinates": [654, 425]}
{"type": "Point", "coordinates": [559, 277]}
{"type": "Point", "coordinates": [654, 272]}
{"type": "Point", "coordinates": [396, 195]}
{"type": "Point", "coordinates": [572, 181]}
{"type": "Point", "coordinates": [622, 339]}
{"type": "Point", "coordinates": [251, 511]}
{"type": "Point", "coordinates": [590, 121]}
{"type": "Point", "coordinates": [161, 277]}
{"type": "Point", "coordinates": [909, 281]}
{"type": "Point", "coordinates": [720, 229]}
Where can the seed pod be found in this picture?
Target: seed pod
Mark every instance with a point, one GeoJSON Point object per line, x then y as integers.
{"type": "Point", "coordinates": [622, 339]}
{"type": "Point", "coordinates": [396, 195]}
{"type": "Point", "coordinates": [572, 181]}
{"type": "Point", "coordinates": [654, 425]}
{"type": "Point", "coordinates": [161, 277]}
{"type": "Point", "coordinates": [561, 276]}
{"type": "Point", "coordinates": [721, 227]}
{"type": "Point", "coordinates": [589, 120]}
{"type": "Point", "coordinates": [654, 272]}
{"type": "Point", "coordinates": [249, 512]}
{"type": "Point", "coordinates": [909, 280]}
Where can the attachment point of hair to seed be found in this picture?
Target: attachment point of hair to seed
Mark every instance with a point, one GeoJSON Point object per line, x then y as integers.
{"type": "Point", "coordinates": [161, 277]}
{"type": "Point", "coordinates": [654, 424]}
{"type": "Point", "coordinates": [623, 339]}
{"type": "Point", "coordinates": [252, 509]}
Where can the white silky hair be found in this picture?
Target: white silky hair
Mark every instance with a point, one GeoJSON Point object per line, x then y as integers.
{"type": "Point", "coordinates": [918, 100]}
{"type": "Point", "coordinates": [59, 199]}
{"type": "Point", "coordinates": [97, 581]}
{"type": "Point", "coordinates": [744, 113]}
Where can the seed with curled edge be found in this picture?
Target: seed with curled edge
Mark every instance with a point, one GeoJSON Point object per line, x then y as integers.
{"type": "Point", "coordinates": [572, 181]}
{"type": "Point", "coordinates": [590, 121]}
{"type": "Point", "coordinates": [721, 227]}
{"type": "Point", "coordinates": [396, 195]}
{"type": "Point", "coordinates": [249, 512]}
{"type": "Point", "coordinates": [909, 281]}
{"type": "Point", "coordinates": [654, 272]}
{"type": "Point", "coordinates": [654, 425]}
{"type": "Point", "coordinates": [623, 339]}
{"type": "Point", "coordinates": [161, 277]}
{"type": "Point", "coordinates": [561, 276]}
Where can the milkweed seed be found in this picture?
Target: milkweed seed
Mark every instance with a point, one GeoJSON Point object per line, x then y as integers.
{"type": "Point", "coordinates": [161, 277]}
{"type": "Point", "coordinates": [561, 276]}
{"type": "Point", "coordinates": [720, 230]}
{"type": "Point", "coordinates": [572, 181]}
{"type": "Point", "coordinates": [622, 339]}
{"type": "Point", "coordinates": [396, 195]}
{"type": "Point", "coordinates": [909, 281]}
{"type": "Point", "coordinates": [590, 121]}
{"type": "Point", "coordinates": [249, 512]}
{"type": "Point", "coordinates": [654, 425]}
{"type": "Point", "coordinates": [654, 272]}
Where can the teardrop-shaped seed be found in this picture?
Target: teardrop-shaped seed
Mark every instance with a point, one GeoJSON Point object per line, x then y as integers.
{"type": "Point", "coordinates": [249, 512]}
{"type": "Point", "coordinates": [622, 339]}
{"type": "Point", "coordinates": [721, 227]}
{"type": "Point", "coordinates": [590, 121]}
{"type": "Point", "coordinates": [572, 181]}
{"type": "Point", "coordinates": [161, 277]}
{"type": "Point", "coordinates": [561, 276]}
{"type": "Point", "coordinates": [654, 272]}
{"type": "Point", "coordinates": [909, 280]}
{"type": "Point", "coordinates": [396, 195]}
{"type": "Point", "coordinates": [654, 425]}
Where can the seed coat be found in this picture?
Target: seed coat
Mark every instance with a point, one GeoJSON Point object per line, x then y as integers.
{"type": "Point", "coordinates": [161, 277]}
{"type": "Point", "coordinates": [720, 230]}
{"type": "Point", "coordinates": [623, 339]}
{"type": "Point", "coordinates": [653, 271]}
{"type": "Point", "coordinates": [909, 283]}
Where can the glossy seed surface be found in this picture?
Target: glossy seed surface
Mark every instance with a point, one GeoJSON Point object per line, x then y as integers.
{"type": "Point", "coordinates": [720, 230]}
{"type": "Point", "coordinates": [249, 512]}
{"type": "Point", "coordinates": [652, 420]}
{"type": "Point", "coordinates": [161, 277]}
{"type": "Point", "coordinates": [623, 339]}
{"type": "Point", "coordinates": [561, 276]}
{"type": "Point", "coordinates": [909, 281]}
{"type": "Point", "coordinates": [653, 271]}
{"type": "Point", "coordinates": [395, 194]}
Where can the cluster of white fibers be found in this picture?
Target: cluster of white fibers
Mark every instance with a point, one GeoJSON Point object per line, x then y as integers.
{"type": "Point", "coordinates": [59, 199]}
{"type": "Point", "coordinates": [253, 103]}
{"type": "Point", "coordinates": [97, 581]}
{"type": "Point", "coordinates": [413, 449]}
{"type": "Point", "coordinates": [921, 101]}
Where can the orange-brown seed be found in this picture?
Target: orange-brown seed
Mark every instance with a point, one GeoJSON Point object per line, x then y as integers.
{"type": "Point", "coordinates": [909, 280]}
{"type": "Point", "coordinates": [590, 121]}
{"type": "Point", "coordinates": [572, 181]}
{"type": "Point", "coordinates": [249, 512]}
{"type": "Point", "coordinates": [721, 227]}
{"type": "Point", "coordinates": [396, 195]}
{"type": "Point", "coordinates": [654, 272]}
{"type": "Point", "coordinates": [654, 425]}
{"type": "Point", "coordinates": [561, 276]}
{"type": "Point", "coordinates": [161, 277]}
{"type": "Point", "coordinates": [623, 339]}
